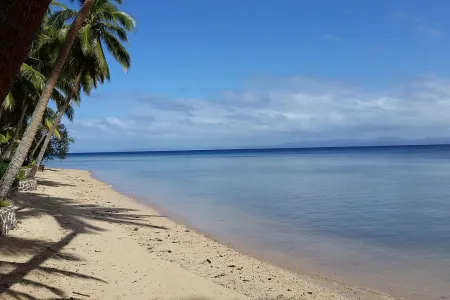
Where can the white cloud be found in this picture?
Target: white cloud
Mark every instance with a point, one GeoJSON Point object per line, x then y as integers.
{"type": "Point", "coordinates": [420, 25]}
{"type": "Point", "coordinates": [114, 122]}
{"type": "Point", "coordinates": [429, 30]}
{"type": "Point", "coordinates": [288, 110]}
{"type": "Point", "coordinates": [332, 37]}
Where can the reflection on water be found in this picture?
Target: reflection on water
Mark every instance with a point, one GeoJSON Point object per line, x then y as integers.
{"type": "Point", "coordinates": [376, 217]}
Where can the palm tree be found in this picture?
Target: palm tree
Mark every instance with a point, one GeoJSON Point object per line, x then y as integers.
{"type": "Point", "coordinates": [53, 129]}
{"type": "Point", "coordinates": [47, 125]}
{"type": "Point", "coordinates": [105, 25]}
{"type": "Point", "coordinates": [28, 137]}
{"type": "Point", "coordinates": [7, 154]}
{"type": "Point", "coordinates": [19, 21]}
{"type": "Point", "coordinates": [48, 136]}
{"type": "Point", "coordinates": [26, 90]}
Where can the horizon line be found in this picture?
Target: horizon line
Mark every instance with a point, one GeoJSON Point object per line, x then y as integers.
{"type": "Point", "coordinates": [260, 149]}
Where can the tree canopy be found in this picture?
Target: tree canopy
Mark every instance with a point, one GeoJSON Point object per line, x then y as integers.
{"type": "Point", "coordinates": [67, 59]}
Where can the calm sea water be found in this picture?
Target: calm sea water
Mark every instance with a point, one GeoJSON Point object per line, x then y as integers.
{"type": "Point", "coordinates": [377, 217]}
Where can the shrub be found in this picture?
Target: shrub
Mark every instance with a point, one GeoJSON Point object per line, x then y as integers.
{"type": "Point", "coordinates": [21, 175]}
{"type": "Point", "coordinates": [28, 164]}
{"type": "Point", "coordinates": [5, 203]}
{"type": "Point", "coordinates": [3, 167]}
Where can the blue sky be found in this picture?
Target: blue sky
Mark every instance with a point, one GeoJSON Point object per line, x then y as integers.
{"type": "Point", "coordinates": [224, 74]}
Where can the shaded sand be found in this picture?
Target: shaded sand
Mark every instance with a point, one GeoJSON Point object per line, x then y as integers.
{"type": "Point", "coordinates": [80, 239]}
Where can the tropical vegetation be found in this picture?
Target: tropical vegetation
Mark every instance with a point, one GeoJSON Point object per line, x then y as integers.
{"type": "Point", "coordinates": [68, 59]}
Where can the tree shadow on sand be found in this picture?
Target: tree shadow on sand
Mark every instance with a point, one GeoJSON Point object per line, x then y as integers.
{"type": "Point", "coordinates": [74, 216]}
{"type": "Point", "coordinates": [52, 183]}
{"type": "Point", "coordinates": [71, 216]}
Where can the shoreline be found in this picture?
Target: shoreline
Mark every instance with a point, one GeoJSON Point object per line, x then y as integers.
{"type": "Point", "coordinates": [202, 266]}
{"type": "Point", "coordinates": [265, 256]}
{"type": "Point", "coordinates": [261, 255]}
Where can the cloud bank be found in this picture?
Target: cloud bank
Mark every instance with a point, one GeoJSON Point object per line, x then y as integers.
{"type": "Point", "coordinates": [273, 112]}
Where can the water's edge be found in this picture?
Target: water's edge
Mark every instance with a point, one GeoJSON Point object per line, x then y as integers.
{"type": "Point", "coordinates": [261, 255]}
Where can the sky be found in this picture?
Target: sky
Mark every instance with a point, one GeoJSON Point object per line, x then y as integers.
{"type": "Point", "coordinates": [211, 74]}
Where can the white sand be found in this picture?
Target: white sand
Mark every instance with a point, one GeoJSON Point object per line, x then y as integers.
{"type": "Point", "coordinates": [80, 239]}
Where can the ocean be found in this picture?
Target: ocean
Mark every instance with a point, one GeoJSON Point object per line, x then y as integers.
{"type": "Point", "coordinates": [376, 217]}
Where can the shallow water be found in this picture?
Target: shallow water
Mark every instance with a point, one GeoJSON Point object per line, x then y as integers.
{"type": "Point", "coordinates": [377, 217]}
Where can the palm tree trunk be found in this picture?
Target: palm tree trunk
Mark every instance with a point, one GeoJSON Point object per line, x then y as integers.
{"type": "Point", "coordinates": [7, 154]}
{"type": "Point", "coordinates": [62, 111]}
{"type": "Point", "coordinates": [28, 137]}
{"type": "Point", "coordinates": [48, 138]}
{"type": "Point", "coordinates": [37, 146]}
{"type": "Point", "coordinates": [19, 20]}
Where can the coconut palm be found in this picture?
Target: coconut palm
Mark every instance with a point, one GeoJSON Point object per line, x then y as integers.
{"type": "Point", "coordinates": [20, 101]}
{"type": "Point", "coordinates": [7, 154]}
{"type": "Point", "coordinates": [73, 96]}
{"type": "Point", "coordinates": [105, 26]}
{"type": "Point", "coordinates": [25, 89]}
{"type": "Point", "coordinates": [30, 132]}
{"type": "Point", "coordinates": [23, 96]}
{"type": "Point", "coordinates": [48, 124]}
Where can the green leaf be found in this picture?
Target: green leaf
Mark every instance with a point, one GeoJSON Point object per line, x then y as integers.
{"type": "Point", "coordinates": [85, 35]}
{"type": "Point", "coordinates": [125, 20]}
{"type": "Point", "coordinates": [36, 78]}
{"type": "Point", "coordinates": [56, 133]}
{"type": "Point", "coordinates": [117, 50]}
{"type": "Point", "coordinates": [9, 101]}
{"type": "Point", "coordinates": [58, 4]}
{"type": "Point", "coordinates": [59, 18]}
{"type": "Point", "coordinates": [100, 57]}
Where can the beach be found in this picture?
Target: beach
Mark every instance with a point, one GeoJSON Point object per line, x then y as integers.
{"type": "Point", "coordinates": [78, 238]}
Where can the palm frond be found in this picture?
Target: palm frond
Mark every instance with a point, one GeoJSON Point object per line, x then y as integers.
{"type": "Point", "coordinates": [36, 78]}
{"type": "Point", "coordinates": [87, 83]}
{"type": "Point", "coordinates": [48, 123]}
{"type": "Point", "coordinates": [58, 4]}
{"type": "Point", "coordinates": [3, 139]}
{"type": "Point", "coordinates": [85, 36]}
{"type": "Point", "coordinates": [117, 50]}
{"type": "Point", "coordinates": [59, 98]}
{"type": "Point", "coordinates": [34, 62]}
{"type": "Point", "coordinates": [76, 100]}
{"type": "Point", "coordinates": [125, 19]}
{"type": "Point", "coordinates": [49, 119]}
{"type": "Point", "coordinates": [56, 133]}
{"type": "Point", "coordinates": [59, 18]}
{"type": "Point", "coordinates": [116, 30]}
{"type": "Point", "coordinates": [100, 57]}
{"type": "Point", "coordinates": [70, 113]}
{"type": "Point", "coordinates": [62, 33]}
{"type": "Point", "coordinates": [9, 101]}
